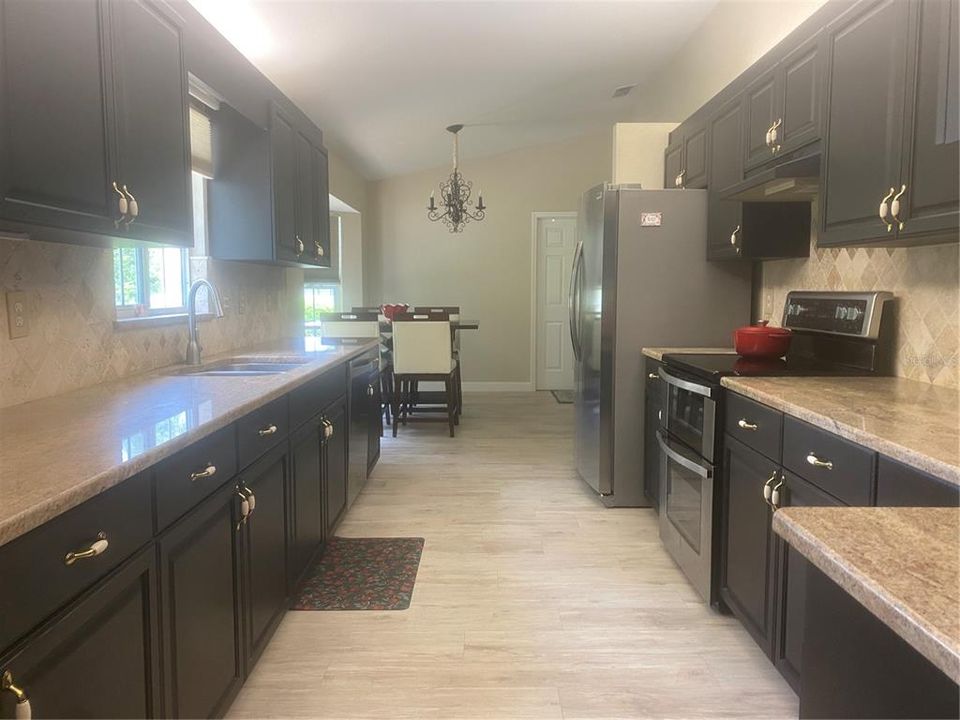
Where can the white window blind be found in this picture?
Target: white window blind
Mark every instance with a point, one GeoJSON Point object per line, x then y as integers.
{"type": "Point", "coordinates": [201, 142]}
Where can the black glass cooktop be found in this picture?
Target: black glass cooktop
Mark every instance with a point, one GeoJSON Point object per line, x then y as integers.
{"type": "Point", "coordinates": [715, 366]}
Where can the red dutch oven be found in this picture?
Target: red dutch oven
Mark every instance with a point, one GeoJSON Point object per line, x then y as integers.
{"type": "Point", "coordinates": [761, 341]}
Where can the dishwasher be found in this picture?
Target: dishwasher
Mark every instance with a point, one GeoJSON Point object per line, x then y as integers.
{"type": "Point", "coordinates": [362, 369]}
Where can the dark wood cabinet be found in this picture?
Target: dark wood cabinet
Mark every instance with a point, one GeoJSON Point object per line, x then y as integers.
{"type": "Point", "coordinates": [652, 406]}
{"type": "Point", "coordinates": [686, 158]}
{"type": "Point", "coordinates": [672, 165]}
{"type": "Point", "coordinates": [264, 543]}
{"type": "Point", "coordinates": [283, 147]}
{"type": "Point", "coordinates": [748, 559]}
{"type": "Point", "coordinates": [791, 582]}
{"type": "Point", "coordinates": [151, 101]}
{"type": "Point", "coordinates": [761, 113]}
{"type": "Point", "coordinates": [724, 226]}
{"type": "Point", "coordinates": [98, 658]}
{"type": "Point", "coordinates": [323, 249]}
{"type": "Point", "coordinates": [110, 80]}
{"type": "Point", "coordinates": [375, 415]}
{"type": "Point", "coordinates": [201, 608]}
{"type": "Point", "coordinates": [306, 496]}
{"type": "Point", "coordinates": [335, 464]}
{"type": "Point", "coordinates": [899, 485]}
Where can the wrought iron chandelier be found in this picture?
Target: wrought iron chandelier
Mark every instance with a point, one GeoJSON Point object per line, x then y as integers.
{"type": "Point", "coordinates": [455, 209]}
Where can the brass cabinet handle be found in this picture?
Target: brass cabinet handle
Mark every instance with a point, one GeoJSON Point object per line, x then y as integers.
{"type": "Point", "coordinates": [812, 459]}
{"type": "Point", "coordinates": [370, 390]}
{"type": "Point", "coordinates": [208, 472]}
{"type": "Point", "coordinates": [97, 547]}
{"type": "Point", "coordinates": [733, 235]}
{"type": "Point", "coordinates": [327, 429]}
{"type": "Point", "coordinates": [775, 496]}
{"type": "Point", "coordinates": [895, 207]}
{"type": "Point", "coordinates": [122, 203]}
{"type": "Point", "coordinates": [678, 181]}
{"type": "Point", "coordinates": [767, 142]}
{"type": "Point", "coordinates": [243, 492]}
{"type": "Point", "coordinates": [319, 247]}
{"type": "Point", "coordinates": [885, 210]}
{"type": "Point", "coordinates": [767, 490]}
{"type": "Point", "coordinates": [268, 430]}
{"type": "Point", "coordinates": [23, 710]}
{"type": "Point", "coordinates": [299, 246]}
{"type": "Point", "coordinates": [744, 424]}
{"type": "Point", "coordinates": [653, 376]}
{"type": "Point", "coordinates": [133, 204]}
{"type": "Point", "coordinates": [774, 147]}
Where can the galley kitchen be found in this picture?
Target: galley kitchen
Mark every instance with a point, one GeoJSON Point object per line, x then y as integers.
{"type": "Point", "coordinates": [439, 359]}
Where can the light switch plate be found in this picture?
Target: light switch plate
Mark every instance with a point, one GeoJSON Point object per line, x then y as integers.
{"type": "Point", "coordinates": [17, 315]}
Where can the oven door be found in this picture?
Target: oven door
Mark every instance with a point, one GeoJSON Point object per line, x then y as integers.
{"type": "Point", "coordinates": [686, 512]}
{"type": "Point", "coordinates": [690, 412]}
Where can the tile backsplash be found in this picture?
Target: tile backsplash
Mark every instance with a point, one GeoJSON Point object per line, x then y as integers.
{"type": "Point", "coordinates": [74, 341]}
{"type": "Point", "coordinates": [924, 280]}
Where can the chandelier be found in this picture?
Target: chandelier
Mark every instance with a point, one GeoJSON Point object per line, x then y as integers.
{"type": "Point", "coordinates": [454, 209]}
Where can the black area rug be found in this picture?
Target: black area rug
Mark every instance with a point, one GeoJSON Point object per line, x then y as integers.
{"type": "Point", "coordinates": [564, 397]}
{"type": "Point", "coordinates": [362, 574]}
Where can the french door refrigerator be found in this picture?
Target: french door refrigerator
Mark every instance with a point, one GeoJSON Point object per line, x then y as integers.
{"type": "Point", "coordinates": [640, 279]}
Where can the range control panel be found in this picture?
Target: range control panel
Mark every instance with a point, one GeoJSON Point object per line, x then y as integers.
{"type": "Point", "coordinates": [841, 313]}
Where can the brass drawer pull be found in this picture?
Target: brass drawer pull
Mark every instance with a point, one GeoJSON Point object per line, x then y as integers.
{"type": "Point", "coordinates": [268, 430]}
{"type": "Point", "coordinates": [812, 459]}
{"type": "Point", "coordinates": [775, 496]}
{"type": "Point", "coordinates": [745, 424]}
{"type": "Point", "coordinates": [767, 490]}
{"type": "Point", "coordinates": [22, 710]}
{"type": "Point", "coordinates": [97, 547]}
{"type": "Point", "coordinates": [208, 472]}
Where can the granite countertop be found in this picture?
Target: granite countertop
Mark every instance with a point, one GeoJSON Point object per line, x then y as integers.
{"type": "Point", "coordinates": [902, 564]}
{"type": "Point", "coordinates": [60, 451]}
{"type": "Point", "coordinates": [657, 353]}
{"type": "Point", "coordinates": [913, 422]}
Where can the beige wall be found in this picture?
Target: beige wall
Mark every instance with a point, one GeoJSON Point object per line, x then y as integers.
{"type": "Point", "coordinates": [732, 37]}
{"type": "Point", "coordinates": [486, 268]}
{"type": "Point", "coordinates": [638, 153]}
{"type": "Point", "coordinates": [352, 188]}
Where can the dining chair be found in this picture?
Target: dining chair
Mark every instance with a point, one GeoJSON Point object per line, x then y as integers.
{"type": "Point", "coordinates": [452, 312]}
{"type": "Point", "coordinates": [346, 327]}
{"type": "Point", "coordinates": [421, 353]}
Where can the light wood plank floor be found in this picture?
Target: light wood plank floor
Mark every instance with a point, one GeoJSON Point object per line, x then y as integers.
{"type": "Point", "coordinates": [532, 600]}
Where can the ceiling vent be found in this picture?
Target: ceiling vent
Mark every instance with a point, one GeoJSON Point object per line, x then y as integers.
{"type": "Point", "coordinates": [623, 90]}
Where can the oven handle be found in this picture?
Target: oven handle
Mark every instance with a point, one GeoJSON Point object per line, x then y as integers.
{"type": "Point", "coordinates": [693, 387]}
{"type": "Point", "coordinates": [694, 467]}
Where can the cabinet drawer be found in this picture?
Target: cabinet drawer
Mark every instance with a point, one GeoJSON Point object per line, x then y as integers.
{"type": "Point", "coordinates": [185, 479]}
{"type": "Point", "coordinates": [41, 581]}
{"type": "Point", "coordinates": [901, 485]}
{"type": "Point", "coordinates": [755, 425]}
{"type": "Point", "coordinates": [837, 466]}
{"type": "Point", "coordinates": [261, 430]}
{"type": "Point", "coordinates": [314, 395]}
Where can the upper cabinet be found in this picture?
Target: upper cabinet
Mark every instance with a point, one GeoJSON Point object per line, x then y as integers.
{"type": "Point", "coordinates": [890, 165]}
{"type": "Point", "coordinates": [783, 106]}
{"type": "Point", "coordinates": [93, 93]}
{"type": "Point", "coordinates": [724, 226]}
{"type": "Point", "coordinates": [685, 160]}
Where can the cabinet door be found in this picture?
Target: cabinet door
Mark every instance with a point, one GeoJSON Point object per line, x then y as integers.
{"type": "Point", "coordinates": [335, 464]}
{"type": "Point", "coordinates": [323, 249]}
{"type": "Point", "coordinates": [792, 581]}
{"type": "Point", "coordinates": [762, 109]}
{"type": "Point", "coordinates": [265, 550]}
{"type": "Point", "coordinates": [929, 204]}
{"type": "Point", "coordinates": [861, 161]}
{"type": "Point", "coordinates": [726, 169]}
{"type": "Point", "coordinates": [672, 165]}
{"type": "Point", "coordinates": [900, 485]}
{"type": "Point", "coordinates": [375, 427]}
{"type": "Point", "coordinates": [151, 103]}
{"type": "Point", "coordinates": [800, 78]}
{"type": "Point", "coordinates": [306, 216]}
{"type": "Point", "coordinates": [283, 145]}
{"type": "Point", "coordinates": [653, 403]}
{"type": "Point", "coordinates": [200, 606]}
{"type": "Point", "coordinates": [306, 515]}
{"type": "Point", "coordinates": [695, 157]}
{"type": "Point", "coordinates": [55, 119]}
{"type": "Point", "coordinates": [747, 567]}
{"type": "Point", "coordinates": [99, 658]}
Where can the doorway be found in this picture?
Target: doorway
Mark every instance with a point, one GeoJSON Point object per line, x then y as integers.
{"type": "Point", "coordinates": [554, 242]}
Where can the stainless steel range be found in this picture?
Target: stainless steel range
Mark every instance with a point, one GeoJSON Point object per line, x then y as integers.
{"type": "Point", "coordinates": [833, 334]}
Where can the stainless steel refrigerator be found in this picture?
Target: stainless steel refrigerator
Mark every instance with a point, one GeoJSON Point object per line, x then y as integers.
{"type": "Point", "coordinates": [640, 279]}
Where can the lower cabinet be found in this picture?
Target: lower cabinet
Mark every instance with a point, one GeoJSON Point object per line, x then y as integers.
{"type": "Point", "coordinates": [200, 606]}
{"type": "Point", "coordinates": [653, 403]}
{"type": "Point", "coordinates": [375, 426]}
{"type": "Point", "coordinates": [99, 658]}
{"type": "Point", "coordinates": [306, 496]}
{"type": "Point", "coordinates": [335, 464]}
{"type": "Point", "coordinates": [747, 564]}
{"type": "Point", "coordinates": [263, 540]}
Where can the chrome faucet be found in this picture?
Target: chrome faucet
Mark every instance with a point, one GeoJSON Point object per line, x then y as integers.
{"type": "Point", "coordinates": [193, 347]}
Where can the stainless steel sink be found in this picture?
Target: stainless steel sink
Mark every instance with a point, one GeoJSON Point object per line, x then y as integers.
{"type": "Point", "coordinates": [242, 367]}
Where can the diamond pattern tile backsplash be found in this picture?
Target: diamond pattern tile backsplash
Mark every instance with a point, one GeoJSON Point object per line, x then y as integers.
{"type": "Point", "coordinates": [924, 280]}
{"type": "Point", "coordinates": [74, 341]}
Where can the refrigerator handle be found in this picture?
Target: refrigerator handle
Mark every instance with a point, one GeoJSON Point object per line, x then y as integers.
{"type": "Point", "coordinates": [574, 307]}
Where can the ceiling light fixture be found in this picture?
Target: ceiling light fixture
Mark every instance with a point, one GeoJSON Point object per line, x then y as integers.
{"type": "Point", "coordinates": [454, 207]}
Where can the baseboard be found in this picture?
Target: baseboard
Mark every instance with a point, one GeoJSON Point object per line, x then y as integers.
{"type": "Point", "coordinates": [498, 387]}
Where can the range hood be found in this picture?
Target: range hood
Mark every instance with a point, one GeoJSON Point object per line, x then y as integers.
{"type": "Point", "coordinates": [796, 180]}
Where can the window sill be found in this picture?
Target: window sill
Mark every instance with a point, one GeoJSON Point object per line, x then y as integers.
{"type": "Point", "coordinates": [149, 321]}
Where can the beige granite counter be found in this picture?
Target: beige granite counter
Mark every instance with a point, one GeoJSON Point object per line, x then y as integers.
{"type": "Point", "coordinates": [59, 451]}
{"type": "Point", "coordinates": [913, 422]}
{"type": "Point", "coordinates": [657, 353]}
{"type": "Point", "coordinates": [902, 564]}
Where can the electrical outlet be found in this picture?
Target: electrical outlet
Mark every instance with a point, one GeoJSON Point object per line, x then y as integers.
{"type": "Point", "coordinates": [17, 315]}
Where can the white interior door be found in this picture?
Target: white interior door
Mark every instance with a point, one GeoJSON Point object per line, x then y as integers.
{"type": "Point", "coordinates": [556, 241]}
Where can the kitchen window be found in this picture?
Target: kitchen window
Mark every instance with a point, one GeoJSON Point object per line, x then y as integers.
{"type": "Point", "coordinates": [318, 298]}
